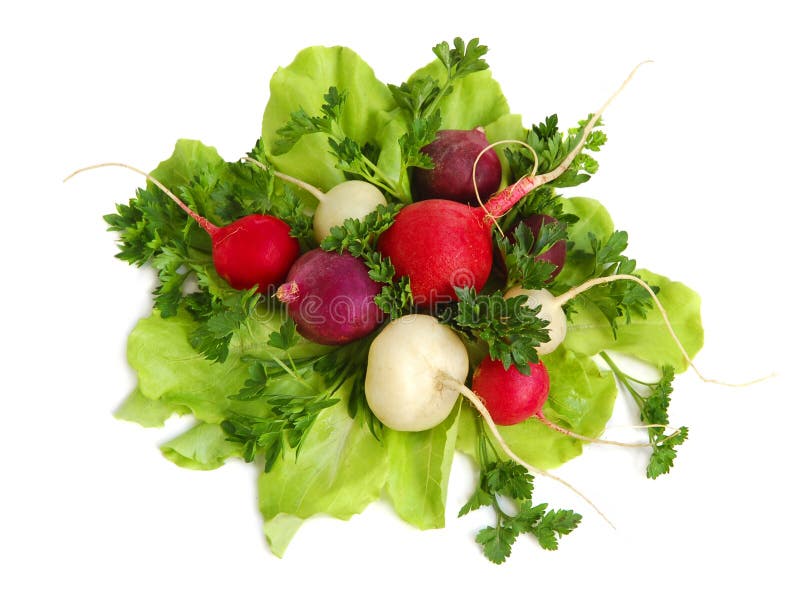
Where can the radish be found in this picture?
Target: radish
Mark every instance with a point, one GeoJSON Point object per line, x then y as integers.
{"type": "Point", "coordinates": [442, 244]}
{"type": "Point", "coordinates": [512, 397]}
{"type": "Point", "coordinates": [453, 153]}
{"type": "Point", "coordinates": [351, 199]}
{"type": "Point", "coordinates": [416, 370]}
{"type": "Point", "coordinates": [256, 250]}
{"type": "Point", "coordinates": [331, 297]}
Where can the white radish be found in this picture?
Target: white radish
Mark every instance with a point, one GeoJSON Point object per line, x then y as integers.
{"type": "Point", "coordinates": [550, 311]}
{"type": "Point", "coordinates": [351, 199]}
{"type": "Point", "coordinates": [403, 385]}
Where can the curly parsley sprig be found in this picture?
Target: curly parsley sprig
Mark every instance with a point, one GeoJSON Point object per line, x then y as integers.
{"type": "Point", "coordinates": [510, 483]}
{"type": "Point", "coordinates": [653, 409]}
{"type": "Point", "coordinates": [510, 328]}
{"type": "Point", "coordinates": [358, 237]}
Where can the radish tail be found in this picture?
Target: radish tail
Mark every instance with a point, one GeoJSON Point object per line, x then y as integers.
{"type": "Point", "coordinates": [318, 194]}
{"type": "Point", "coordinates": [201, 221]}
{"type": "Point", "coordinates": [562, 299]}
{"type": "Point", "coordinates": [503, 201]}
{"type": "Point", "coordinates": [571, 434]}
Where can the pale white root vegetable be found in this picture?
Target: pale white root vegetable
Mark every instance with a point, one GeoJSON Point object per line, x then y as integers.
{"type": "Point", "coordinates": [351, 199]}
{"type": "Point", "coordinates": [403, 385]}
{"type": "Point", "coordinates": [550, 311]}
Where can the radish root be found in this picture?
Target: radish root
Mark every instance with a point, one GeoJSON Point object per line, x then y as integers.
{"type": "Point", "coordinates": [589, 439]}
{"type": "Point", "coordinates": [318, 194]}
{"type": "Point", "coordinates": [201, 221]}
{"type": "Point", "coordinates": [476, 401]}
{"type": "Point", "coordinates": [562, 299]}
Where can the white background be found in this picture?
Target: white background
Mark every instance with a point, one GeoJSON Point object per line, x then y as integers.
{"type": "Point", "coordinates": [700, 168]}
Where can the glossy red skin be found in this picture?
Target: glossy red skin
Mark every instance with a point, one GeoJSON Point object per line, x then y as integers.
{"type": "Point", "coordinates": [453, 153]}
{"type": "Point", "coordinates": [557, 254]}
{"type": "Point", "coordinates": [510, 396]}
{"type": "Point", "coordinates": [334, 302]}
{"type": "Point", "coordinates": [254, 250]}
{"type": "Point", "coordinates": [439, 245]}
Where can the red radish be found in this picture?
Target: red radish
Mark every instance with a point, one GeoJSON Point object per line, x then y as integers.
{"type": "Point", "coordinates": [511, 397]}
{"type": "Point", "coordinates": [256, 250]}
{"type": "Point", "coordinates": [331, 297]}
{"type": "Point", "coordinates": [459, 237]}
{"type": "Point", "coordinates": [453, 153]}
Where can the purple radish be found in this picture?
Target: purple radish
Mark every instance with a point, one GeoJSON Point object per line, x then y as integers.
{"type": "Point", "coordinates": [453, 153]}
{"type": "Point", "coordinates": [331, 297]}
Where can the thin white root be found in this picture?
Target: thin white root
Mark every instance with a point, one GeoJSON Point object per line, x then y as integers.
{"type": "Point", "coordinates": [476, 401]}
{"type": "Point", "coordinates": [475, 170]}
{"type": "Point", "coordinates": [565, 164]}
{"type": "Point", "coordinates": [562, 299]}
{"type": "Point", "coordinates": [204, 223]}
{"type": "Point", "coordinates": [318, 194]}
{"type": "Point", "coordinates": [589, 439]}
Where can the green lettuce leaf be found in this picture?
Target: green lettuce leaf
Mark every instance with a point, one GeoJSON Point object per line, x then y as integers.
{"type": "Point", "coordinates": [340, 470]}
{"type": "Point", "coordinates": [581, 399]}
{"type": "Point", "coordinates": [302, 84]}
{"type": "Point", "coordinates": [476, 100]}
{"type": "Point", "coordinates": [202, 447]}
{"type": "Point", "coordinates": [150, 413]}
{"type": "Point", "coordinates": [419, 471]}
{"type": "Point", "coordinates": [644, 338]}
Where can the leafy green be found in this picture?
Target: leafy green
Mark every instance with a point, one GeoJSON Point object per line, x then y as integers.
{"type": "Point", "coordinates": [552, 146]}
{"type": "Point", "coordinates": [520, 254]}
{"type": "Point", "coordinates": [341, 469]}
{"type": "Point", "coordinates": [359, 238]}
{"type": "Point", "coordinates": [644, 338]}
{"type": "Point", "coordinates": [510, 328]}
{"type": "Point", "coordinates": [419, 470]}
{"type": "Point", "coordinates": [202, 447]}
{"type": "Point", "coordinates": [505, 482]}
{"type": "Point", "coordinates": [653, 408]}
{"type": "Point", "coordinates": [362, 117]}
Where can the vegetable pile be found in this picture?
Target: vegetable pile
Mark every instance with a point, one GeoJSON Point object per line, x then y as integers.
{"type": "Point", "coordinates": [376, 287]}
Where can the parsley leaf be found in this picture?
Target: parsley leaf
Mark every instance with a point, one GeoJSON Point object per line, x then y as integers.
{"type": "Point", "coordinates": [653, 408]}
{"type": "Point", "coordinates": [513, 484]}
{"type": "Point", "coordinates": [552, 146]}
{"type": "Point", "coordinates": [520, 254]}
{"type": "Point", "coordinates": [510, 328]}
{"type": "Point", "coordinates": [358, 237]}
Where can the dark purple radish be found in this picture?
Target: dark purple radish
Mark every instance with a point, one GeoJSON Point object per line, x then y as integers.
{"type": "Point", "coordinates": [453, 153]}
{"type": "Point", "coordinates": [557, 253]}
{"type": "Point", "coordinates": [256, 250]}
{"type": "Point", "coordinates": [331, 297]}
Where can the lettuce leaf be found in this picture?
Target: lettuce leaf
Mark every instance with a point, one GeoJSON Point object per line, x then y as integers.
{"type": "Point", "coordinates": [476, 100]}
{"type": "Point", "coordinates": [647, 338]}
{"type": "Point", "coordinates": [339, 471]}
{"type": "Point", "coordinates": [581, 399]}
{"type": "Point", "coordinates": [203, 447]}
{"type": "Point", "coordinates": [419, 470]}
{"type": "Point", "coordinates": [644, 338]}
{"type": "Point", "coordinates": [302, 84]}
